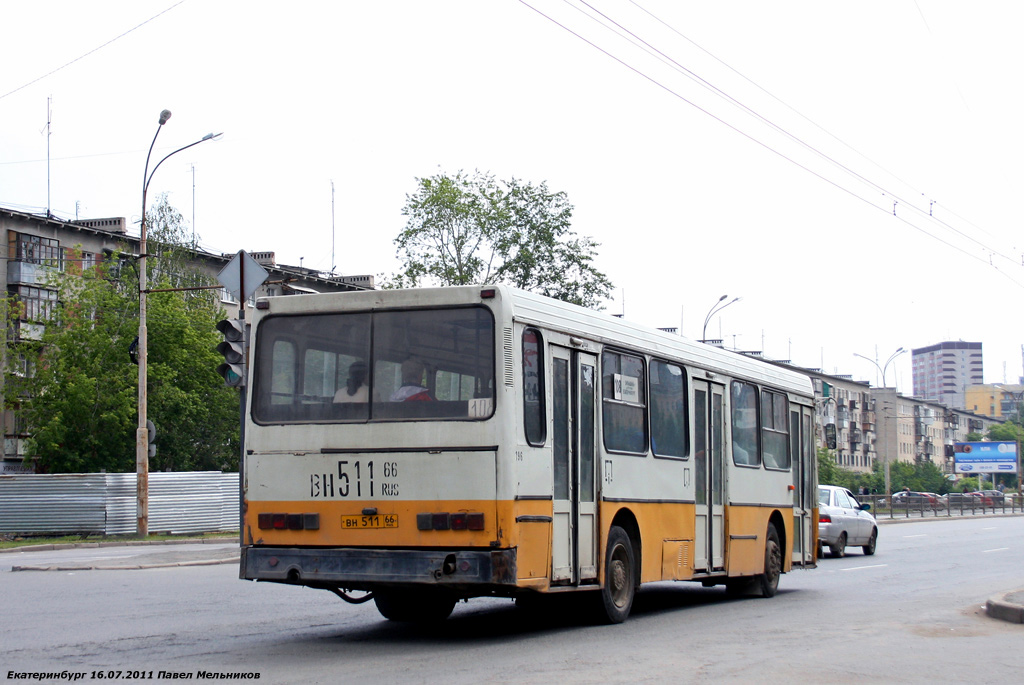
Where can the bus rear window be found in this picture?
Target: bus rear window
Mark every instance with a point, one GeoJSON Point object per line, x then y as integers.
{"type": "Point", "coordinates": [387, 366]}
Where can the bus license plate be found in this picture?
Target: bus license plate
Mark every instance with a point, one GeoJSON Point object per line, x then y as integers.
{"type": "Point", "coordinates": [375, 521]}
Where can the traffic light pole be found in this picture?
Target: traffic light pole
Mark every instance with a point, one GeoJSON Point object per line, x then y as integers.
{"type": "Point", "coordinates": [242, 395]}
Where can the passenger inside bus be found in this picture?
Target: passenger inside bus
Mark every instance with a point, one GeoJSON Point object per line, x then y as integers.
{"type": "Point", "coordinates": [412, 389]}
{"type": "Point", "coordinates": [355, 389]}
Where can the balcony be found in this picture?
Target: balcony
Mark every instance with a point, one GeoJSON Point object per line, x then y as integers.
{"type": "Point", "coordinates": [26, 273]}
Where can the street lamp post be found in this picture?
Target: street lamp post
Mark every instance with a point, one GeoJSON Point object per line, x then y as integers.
{"type": "Point", "coordinates": [142, 431]}
{"type": "Point", "coordinates": [883, 369]}
{"type": "Point", "coordinates": [715, 308]}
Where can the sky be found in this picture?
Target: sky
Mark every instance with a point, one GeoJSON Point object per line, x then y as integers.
{"type": "Point", "coordinates": [851, 171]}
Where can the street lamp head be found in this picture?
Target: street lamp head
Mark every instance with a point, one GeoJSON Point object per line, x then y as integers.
{"type": "Point", "coordinates": [722, 297]}
{"type": "Point", "coordinates": [213, 136]}
{"type": "Point", "coordinates": [164, 116]}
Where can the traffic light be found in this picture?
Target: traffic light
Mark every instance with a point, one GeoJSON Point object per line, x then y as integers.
{"type": "Point", "coordinates": [151, 439]}
{"type": "Point", "coordinates": [233, 349]}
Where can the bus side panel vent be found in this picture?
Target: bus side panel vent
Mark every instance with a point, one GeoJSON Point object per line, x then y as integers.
{"type": "Point", "coordinates": [507, 347]}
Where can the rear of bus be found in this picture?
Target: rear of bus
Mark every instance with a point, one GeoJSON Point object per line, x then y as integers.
{"type": "Point", "coordinates": [372, 447]}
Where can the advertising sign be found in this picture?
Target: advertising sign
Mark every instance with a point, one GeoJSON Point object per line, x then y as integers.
{"type": "Point", "coordinates": [985, 457]}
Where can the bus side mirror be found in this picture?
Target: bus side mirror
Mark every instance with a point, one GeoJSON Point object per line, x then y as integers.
{"type": "Point", "coordinates": [830, 435]}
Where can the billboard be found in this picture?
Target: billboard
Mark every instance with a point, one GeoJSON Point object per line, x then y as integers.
{"type": "Point", "coordinates": [985, 457]}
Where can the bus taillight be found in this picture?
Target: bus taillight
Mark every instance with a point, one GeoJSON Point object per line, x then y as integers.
{"type": "Point", "coordinates": [460, 520]}
{"type": "Point", "coordinates": [276, 521]}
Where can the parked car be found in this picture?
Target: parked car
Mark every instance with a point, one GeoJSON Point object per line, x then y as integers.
{"type": "Point", "coordinates": [961, 500]}
{"type": "Point", "coordinates": [991, 498]}
{"type": "Point", "coordinates": [910, 499]}
{"type": "Point", "coordinates": [844, 522]}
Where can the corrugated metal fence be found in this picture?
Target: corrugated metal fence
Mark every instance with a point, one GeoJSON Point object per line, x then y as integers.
{"type": "Point", "coordinates": [105, 503]}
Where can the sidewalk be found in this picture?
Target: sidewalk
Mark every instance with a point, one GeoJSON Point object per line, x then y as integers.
{"type": "Point", "coordinates": [137, 554]}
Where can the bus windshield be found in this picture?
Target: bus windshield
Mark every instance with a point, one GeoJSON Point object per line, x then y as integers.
{"type": "Point", "coordinates": [375, 366]}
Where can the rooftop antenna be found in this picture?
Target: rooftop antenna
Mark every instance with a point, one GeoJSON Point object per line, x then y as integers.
{"type": "Point", "coordinates": [49, 118]}
{"type": "Point", "coordinates": [332, 227]}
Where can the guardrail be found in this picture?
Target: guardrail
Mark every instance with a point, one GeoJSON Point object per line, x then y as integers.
{"type": "Point", "coordinates": [922, 505]}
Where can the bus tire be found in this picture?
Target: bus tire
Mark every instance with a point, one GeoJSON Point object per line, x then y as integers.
{"type": "Point", "coordinates": [423, 606]}
{"type": "Point", "coordinates": [620, 576]}
{"type": "Point", "coordinates": [768, 582]}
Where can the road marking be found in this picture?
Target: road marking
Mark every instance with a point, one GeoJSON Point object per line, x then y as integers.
{"type": "Point", "coordinates": [861, 568]}
{"type": "Point", "coordinates": [922, 535]}
{"type": "Point", "coordinates": [997, 549]}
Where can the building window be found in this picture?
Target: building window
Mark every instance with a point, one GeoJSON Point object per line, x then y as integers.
{"type": "Point", "coordinates": [34, 304]}
{"type": "Point", "coordinates": [34, 249]}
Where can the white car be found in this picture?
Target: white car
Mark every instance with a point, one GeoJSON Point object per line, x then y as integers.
{"type": "Point", "coordinates": [844, 522]}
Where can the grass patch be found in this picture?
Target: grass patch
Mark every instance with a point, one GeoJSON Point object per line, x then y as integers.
{"type": "Point", "coordinates": [10, 541]}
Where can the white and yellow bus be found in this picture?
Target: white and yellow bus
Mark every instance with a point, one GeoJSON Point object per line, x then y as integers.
{"type": "Point", "coordinates": [438, 444]}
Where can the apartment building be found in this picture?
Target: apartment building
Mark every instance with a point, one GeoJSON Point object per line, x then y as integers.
{"type": "Point", "coordinates": [995, 399]}
{"type": "Point", "coordinates": [40, 245]}
{"type": "Point", "coordinates": [879, 424]}
{"type": "Point", "coordinates": [943, 372]}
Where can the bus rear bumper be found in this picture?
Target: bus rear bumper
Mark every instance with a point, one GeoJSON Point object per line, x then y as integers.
{"type": "Point", "coordinates": [359, 569]}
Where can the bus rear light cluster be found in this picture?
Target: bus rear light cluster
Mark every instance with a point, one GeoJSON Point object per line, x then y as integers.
{"type": "Point", "coordinates": [459, 520]}
{"type": "Point", "coordinates": [272, 521]}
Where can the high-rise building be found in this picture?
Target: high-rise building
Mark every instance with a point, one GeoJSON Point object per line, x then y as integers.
{"type": "Point", "coordinates": [943, 372]}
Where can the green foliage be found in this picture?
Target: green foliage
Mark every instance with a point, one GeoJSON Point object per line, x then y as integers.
{"type": "Point", "coordinates": [1007, 432]}
{"type": "Point", "coordinates": [829, 473]}
{"type": "Point", "coordinates": [920, 477]}
{"type": "Point", "coordinates": [76, 384]}
{"type": "Point", "coordinates": [77, 389]}
{"type": "Point", "coordinates": [473, 229]}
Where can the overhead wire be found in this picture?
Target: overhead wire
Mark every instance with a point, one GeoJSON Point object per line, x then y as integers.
{"type": "Point", "coordinates": [96, 49]}
{"type": "Point", "coordinates": [650, 49]}
{"type": "Point", "coordinates": [661, 56]}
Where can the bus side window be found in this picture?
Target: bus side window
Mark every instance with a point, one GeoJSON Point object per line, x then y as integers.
{"type": "Point", "coordinates": [534, 414]}
{"type": "Point", "coordinates": [624, 399]}
{"type": "Point", "coordinates": [745, 448]}
{"type": "Point", "coordinates": [774, 431]}
{"type": "Point", "coordinates": [668, 410]}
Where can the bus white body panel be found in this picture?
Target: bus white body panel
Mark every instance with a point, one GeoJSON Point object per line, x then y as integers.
{"type": "Point", "coordinates": [546, 430]}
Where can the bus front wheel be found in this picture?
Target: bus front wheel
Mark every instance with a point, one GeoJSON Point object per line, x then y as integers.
{"type": "Point", "coordinates": [619, 576]}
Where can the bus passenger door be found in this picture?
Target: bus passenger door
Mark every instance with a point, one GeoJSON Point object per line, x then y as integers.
{"type": "Point", "coordinates": [709, 484]}
{"type": "Point", "coordinates": [805, 494]}
{"type": "Point", "coordinates": [574, 538]}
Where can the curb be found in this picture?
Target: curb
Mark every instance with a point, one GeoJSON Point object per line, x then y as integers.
{"type": "Point", "coordinates": [1007, 607]}
{"type": "Point", "coordinates": [115, 543]}
{"type": "Point", "coordinates": [135, 567]}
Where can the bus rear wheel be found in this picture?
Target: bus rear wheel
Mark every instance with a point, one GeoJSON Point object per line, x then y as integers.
{"type": "Point", "coordinates": [416, 606]}
{"type": "Point", "coordinates": [619, 577]}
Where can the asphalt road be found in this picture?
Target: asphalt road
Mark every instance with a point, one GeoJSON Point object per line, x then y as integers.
{"type": "Point", "coordinates": [913, 613]}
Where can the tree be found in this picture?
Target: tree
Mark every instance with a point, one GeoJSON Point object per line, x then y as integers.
{"type": "Point", "coordinates": [76, 385]}
{"type": "Point", "coordinates": [1006, 432]}
{"type": "Point", "coordinates": [466, 229]}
